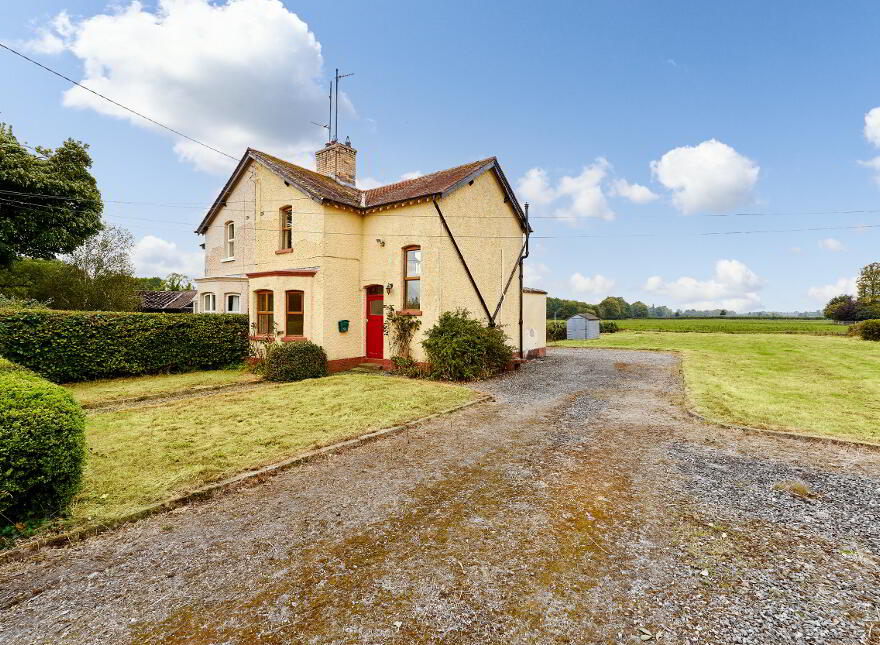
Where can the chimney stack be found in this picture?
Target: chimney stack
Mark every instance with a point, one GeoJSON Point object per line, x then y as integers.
{"type": "Point", "coordinates": [337, 160]}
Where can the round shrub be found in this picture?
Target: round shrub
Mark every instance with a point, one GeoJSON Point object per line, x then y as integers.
{"type": "Point", "coordinates": [870, 329]}
{"type": "Point", "coordinates": [42, 446]}
{"type": "Point", "coordinates": [556, 330]}
{"type": "Point", "coordinates": [295, 361]}
{"type": "Point", "coordinates": [460, 348]}
{"type": "Point", "coordinates": [608, 327]}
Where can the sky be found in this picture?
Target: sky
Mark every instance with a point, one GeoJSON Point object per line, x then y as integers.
{"type": "Point", "coordinates": [671, 152]}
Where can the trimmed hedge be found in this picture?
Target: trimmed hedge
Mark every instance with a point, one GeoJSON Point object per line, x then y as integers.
{"type": "Point", "coordinates": [608, 327]}
{"type": "Point", "coordinates": [460, 348]}
{"type": "Point", "coordinates": [295, 361]}
{"type": "Point", "coordinates": [42, 446]}
{"type": "Point", "coordinates": [66, 346]}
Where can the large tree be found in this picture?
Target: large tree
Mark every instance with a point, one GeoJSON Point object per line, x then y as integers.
{"type": "Point", "coordinates": [611, 309]}
{"type": "Point", "coordinates": [639, 309]}
{"type": "Point", "coordinates": [49, 201]}
{"type": "Point", "coordinates": [869, 283]}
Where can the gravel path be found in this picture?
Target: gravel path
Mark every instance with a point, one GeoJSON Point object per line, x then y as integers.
{"type": "Point", "coordinates": [584, 506]}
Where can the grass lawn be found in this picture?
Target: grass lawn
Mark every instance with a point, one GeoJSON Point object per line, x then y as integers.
{"type": "Point", "coordinates": [107, 391]}
{"type": "Point", "coordinates": [735, 325]}
{"type": "Point", "coordinates": [143, 455]}
{"type": "Point", "coordinates": [824, 385]}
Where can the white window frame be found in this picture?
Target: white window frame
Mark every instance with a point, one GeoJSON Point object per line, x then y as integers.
{"type": "Point", "coordinates": [229, 240]}
{"type": "Point", "coordinates": [208, 297]}
{"type": "Point", "coordinates": [226, 298]}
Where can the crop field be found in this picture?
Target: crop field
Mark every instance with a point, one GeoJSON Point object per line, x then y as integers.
{"type": "Point", "coordinates": [735, 325]}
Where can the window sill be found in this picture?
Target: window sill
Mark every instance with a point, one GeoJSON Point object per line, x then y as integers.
{"type": "Point", "coordinates": [410, 312]}
{"type": "Point", "coordinates": [261, 337]}
{"type": "Point", "coordinates": [289, 339]}
{"type": "Point", "coordinates": [282, 251]}
{"type": "Point", "coordinates": [232, 259]}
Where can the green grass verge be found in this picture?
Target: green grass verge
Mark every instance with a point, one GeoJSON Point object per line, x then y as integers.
{"type": "Point", "coordinates": [735, 326]}
{"type": "Point", "coordinates": [108, 391]}
{"type": "Point", "coordinates": [140, 456]}
{"type": "Point", "coordinates": [822, 385]}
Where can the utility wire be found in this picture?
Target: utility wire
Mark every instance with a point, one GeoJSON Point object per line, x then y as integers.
{"type": "Point", "coordinates": [116, 103]}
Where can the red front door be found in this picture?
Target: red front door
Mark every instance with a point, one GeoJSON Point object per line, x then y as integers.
{"type": "Point", "coordinates": [375, 341]}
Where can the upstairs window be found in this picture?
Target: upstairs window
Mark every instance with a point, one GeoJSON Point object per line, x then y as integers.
{"type": "Point", "coordinates": [294, 321]}
{"type": "Point", "coordinates": [229, 237]}
{"type": "Point", "coordinates": [209, 303]}
{"type": "Point", "coordinates": [265, 313]}
{"type": "Point", "coordinates": [412, 297]}
{"type": "Point", "coordinates": [287, 227]}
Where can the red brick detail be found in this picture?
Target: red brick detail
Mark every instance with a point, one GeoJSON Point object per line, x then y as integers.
{"type": "Point", "coordinates": [260, 337]}
{"type": "Point", "coordinates": [343, 364]}
{"type": "Point", "coordinates": [288, 339]}
{"type": "Point", "coordinates": [539, 352]}
{"type": "Point", "coordinates": [264, 274]}
{"type": "Point", "coordinates": [410, 312]}
{"type": "Point", "coordinates": [283, 251]}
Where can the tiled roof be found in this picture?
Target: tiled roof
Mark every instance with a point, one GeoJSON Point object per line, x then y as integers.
{"type": "Point", "coordinates": [167, 300]}
{"type": "Point", "coordinates": [313, 182]}
{"type": "Point", "coordinates": [321, 187]}
{"type": "Point", "coordinates": [433, 184]}
{"type": "Point", "coordinates": [533, 290]}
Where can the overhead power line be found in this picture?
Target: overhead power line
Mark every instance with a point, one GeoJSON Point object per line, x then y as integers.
{"type": "Point", "coordinates": [117, 103]}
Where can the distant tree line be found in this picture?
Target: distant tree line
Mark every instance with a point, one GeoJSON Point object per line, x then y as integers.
{"type": "Point", "coordinates": [611, 308]}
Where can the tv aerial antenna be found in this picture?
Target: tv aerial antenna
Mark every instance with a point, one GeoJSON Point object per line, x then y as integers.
{"type": "Point", "coordinates": [338, 78]}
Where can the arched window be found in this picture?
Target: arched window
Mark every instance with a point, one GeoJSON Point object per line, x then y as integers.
{"type": "Point", "coordinates": [229, 239]}
{"type": "Point", "coordinates": [209, 303]}
{"type": "Point", "coordinates": [233, 303]}
{"type": "Point", "coordinates": [412, 274]}
{"type": "Point", "coordinates": [265, 312]}
{"type": "Point", "coordinates": [294, 320]}
{"type": "Point", "coordinates": [286, 227]}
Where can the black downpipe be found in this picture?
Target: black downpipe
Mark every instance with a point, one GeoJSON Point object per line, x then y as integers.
{"type": "Point", "coordinates": [522, 257]}
{"type": "Point", "coordinates": [464, 264]}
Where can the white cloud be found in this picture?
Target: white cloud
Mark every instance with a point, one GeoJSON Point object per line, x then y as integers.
{"type": "Point", "coordinates": [635, 193]}
{"type": "Point", "coordinates": [873, 164]}
{"type": "Point", "coordinates": [367, 183]}
{"type": "Point", "coordinates": [534, 273]}
{"type": "Point", "coordinates": [233, 74]}
{"type": "Point", "coordinates": [597, 286]}
{"type": "Point", "coordinates": [872, 126]}
{"type": "Point", "coordinates": [534, 187]}
{"type": "Point", "coordinates": [411, 175]}
{"type": "Point", "coordinates": [153, 256]}
{"type": "Point", "coordinates": [830, 244]}
{"type": "Point", "coordinates": [587, 199]}
{"type": "Point", "coordinates": [710, 176]}
{"type": "Point", "coordinates": [51, 39]}
{"type": "Point", "coordinates": [734, 286]}
{"type": "Point", "coordinates": [826, 292]}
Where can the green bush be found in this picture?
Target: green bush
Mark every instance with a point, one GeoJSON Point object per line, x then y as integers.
{"type": "Point", "coordinates": [460, 348]}
{"type": "Point", "coordinates": [42, 446]}
{"type": "Point", "coordinates": [869, 329]}
{"type": "Point", "coordinates": [608, 327]}
{"type": "Point", "coordinates": [295, 361]}
{"type": "Point", "coordinates": [68, 346]}
{"type": "Point", "coordinates": [556, 330]}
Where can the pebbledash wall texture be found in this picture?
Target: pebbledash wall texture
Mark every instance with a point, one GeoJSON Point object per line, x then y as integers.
{"type": "Point", "coordinates": [346, 243]}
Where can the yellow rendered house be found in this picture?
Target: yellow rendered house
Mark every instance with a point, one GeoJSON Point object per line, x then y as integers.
{"type": "Point", "coordinates": [307, 255]}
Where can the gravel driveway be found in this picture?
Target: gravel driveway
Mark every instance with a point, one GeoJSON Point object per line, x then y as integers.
{"type": "Point", "coordinates": [584, 506]}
